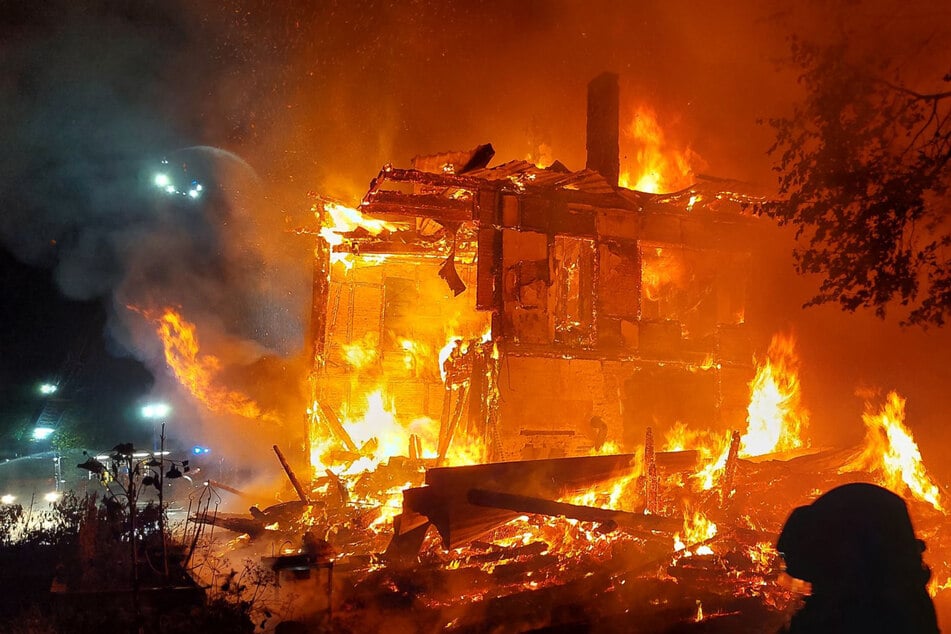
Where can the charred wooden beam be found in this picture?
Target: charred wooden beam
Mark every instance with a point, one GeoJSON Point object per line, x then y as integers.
{"type": "Point", "coordinates": [444, 500]}
{"type": "Point", "coordinates": [406, 542]}
{"type": "Point", "coordinates": [398, 175]}
{"type": "Point", "coordinates": [729, 472]}
{"type": "Point", "coordinates": [676, 460]}
{"type": "Point", "coordinates": [391, 247]}
{"type": "Point", "coordinates": [432, 206]}
{"type": "Point", "coordinates": [229, 489]}
{"type": "Point", "coordinates": [337, 428]}
{"type": "Point", "coordinates": [552, 477]}
{"type": "Point", "coordinates": [291, 476]}
{"type": "Point", "coordinates": [252, 527]}
{"type": "Point", "coordinates": [540, 506]}
{"type": "Point", "coordinates": [652, 480]}
{"type": "Point", "coordinates": [479, 159]}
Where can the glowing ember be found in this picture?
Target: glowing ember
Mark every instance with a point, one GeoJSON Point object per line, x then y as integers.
{"type": "Point", "coordinates": [198, 373]}
{"type": "Point", "coordinates": [762, 554]}
{"type": "Point", "coordinates": [656, 166]}
{"type": "Point", "coordinates": [890, 450]}
{"type": "Point", "coordinates": [775, 416]}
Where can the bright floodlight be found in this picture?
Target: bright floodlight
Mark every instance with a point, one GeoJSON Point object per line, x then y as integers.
{"type": "Point", "coordinates": [8, 499]}
{"type": "Point", "coordinates": [48, 388]}
{"type": "Point", "coordinates": [52, 496]}
{"type": "Point", "coordinates": [156, 410]}
{"type": "Point", "coordinates": [42, 433]}
{"type": "Point", "coordinates": [162, 180]}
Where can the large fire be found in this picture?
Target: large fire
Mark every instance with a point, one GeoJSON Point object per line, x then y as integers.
{"type": "Point", "coordinates": [891, 452]}
{"type": "Point", "coordinates": [776, 418]}
{"type": "Point", "coordinates": [199, 373]}
{"type": "Point", "coordinates": [655, 166]}
{"type": "Point", "coordinates": [338, 219]}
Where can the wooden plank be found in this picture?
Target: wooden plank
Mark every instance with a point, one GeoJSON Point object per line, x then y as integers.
{"type": "Point", "coordinates": [489, 270]}
{"type": "Point", "coordinates": [541, 506]}
{"type": "Point", "coordinates": [444, 500]}
{"type": "Point", "coordinates": [457, 521]}
{"type": "Point", "coordinates": [549, 478]}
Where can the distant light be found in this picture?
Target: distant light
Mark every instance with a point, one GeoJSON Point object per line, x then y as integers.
{"type": "Point", "coordinates": [53, 496]}
{"type": "Point", "coordinates": [7, 499]}
{"type": "Point", "coordinates": [156, 410]}
{"type": "Point", "coordinates": [42, 433]}
{"type": "Point", "coordinates": [198, 450]}
{"type": "Point", "coordinates": [48, 388]}
{"type": "Point", "coordinates": [164, 182]}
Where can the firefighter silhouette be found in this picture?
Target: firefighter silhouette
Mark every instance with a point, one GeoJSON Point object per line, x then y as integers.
{"type": "Point", "coordinates": [856, 546]}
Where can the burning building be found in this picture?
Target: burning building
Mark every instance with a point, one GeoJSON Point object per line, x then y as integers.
{"type": "Point", "coordinates": [529, 311]}
{"type": "Point", "coordinates": [494, 349]}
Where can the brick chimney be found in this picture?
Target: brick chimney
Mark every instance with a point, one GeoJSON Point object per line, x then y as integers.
{"type": "Point", "coordinates": [603, 122]}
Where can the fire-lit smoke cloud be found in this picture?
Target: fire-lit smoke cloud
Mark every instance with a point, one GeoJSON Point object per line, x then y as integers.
{"type": "Point", "coordinates": [104, 106]}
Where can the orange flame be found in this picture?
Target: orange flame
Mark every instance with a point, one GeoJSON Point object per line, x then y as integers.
{"type": "Point", "coordinates": [890, 450]}
{"type": "Point", "coordinates": [661, 270]}
{"type": "Point", "coordinates": [198, 372]}
{"type": "Point", "coordinates": [340, 219]}
{"type": "Point", "coordinates": [656, 167]}
{"type": "Point", "coordinates": [697, 530]}
{"type": "Point", "coordinates": [775, 416]}
{"type": "Point", "coordinates": [363, 353]}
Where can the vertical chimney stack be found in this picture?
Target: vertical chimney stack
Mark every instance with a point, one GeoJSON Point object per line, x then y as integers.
{"type": "Point", "coordinates": [603, 122]}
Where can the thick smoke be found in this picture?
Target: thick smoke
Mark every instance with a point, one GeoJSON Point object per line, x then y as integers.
{"type": "Point", "coordinates": [99, 97]}
{"type": "Point", "coordinates": [96, 95]}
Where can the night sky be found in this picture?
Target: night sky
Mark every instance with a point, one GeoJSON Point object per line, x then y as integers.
{"type": "Point", "coordinates": [265, 102]}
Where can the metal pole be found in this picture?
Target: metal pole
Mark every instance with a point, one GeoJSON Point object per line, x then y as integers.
{"type": "Point", "coordinates": [161, 501]}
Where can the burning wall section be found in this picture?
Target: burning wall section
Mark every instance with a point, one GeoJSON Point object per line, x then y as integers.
{"type": "Point", "coordinates": [605, 310]}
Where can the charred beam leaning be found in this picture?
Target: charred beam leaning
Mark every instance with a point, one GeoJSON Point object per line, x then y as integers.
{"type": "Point", "coordinates": [291, 476]}
{"type": "Point", "coordinates": [528, 504]}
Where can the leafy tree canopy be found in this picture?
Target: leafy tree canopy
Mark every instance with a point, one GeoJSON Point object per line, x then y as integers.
{"type": "Point", "coordinates": [863, 164]}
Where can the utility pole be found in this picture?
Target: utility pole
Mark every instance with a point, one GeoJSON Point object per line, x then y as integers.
{"type": "Point", "coordinates": [161, 502]}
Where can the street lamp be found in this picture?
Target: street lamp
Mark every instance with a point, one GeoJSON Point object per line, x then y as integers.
{"type": "Point", "coordinates": [47, 389]}
{"type": "Point", "coordinates": [42, 432]}
{"type": "Point", "coordinates": [156, 412]}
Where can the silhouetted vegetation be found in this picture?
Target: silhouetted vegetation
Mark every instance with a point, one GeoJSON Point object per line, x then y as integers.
{"type": "Point", "coordinates": [864, 163]}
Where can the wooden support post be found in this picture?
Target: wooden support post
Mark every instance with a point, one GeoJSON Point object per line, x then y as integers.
{"type": "Point", "coordinates": [336, 428]}
{"type": "Point", "coordinates": [729, 471]}
{"type": "Point", "coordinates": [290, 476]}
{"type": "Point", "coordinates": [652, 480]}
